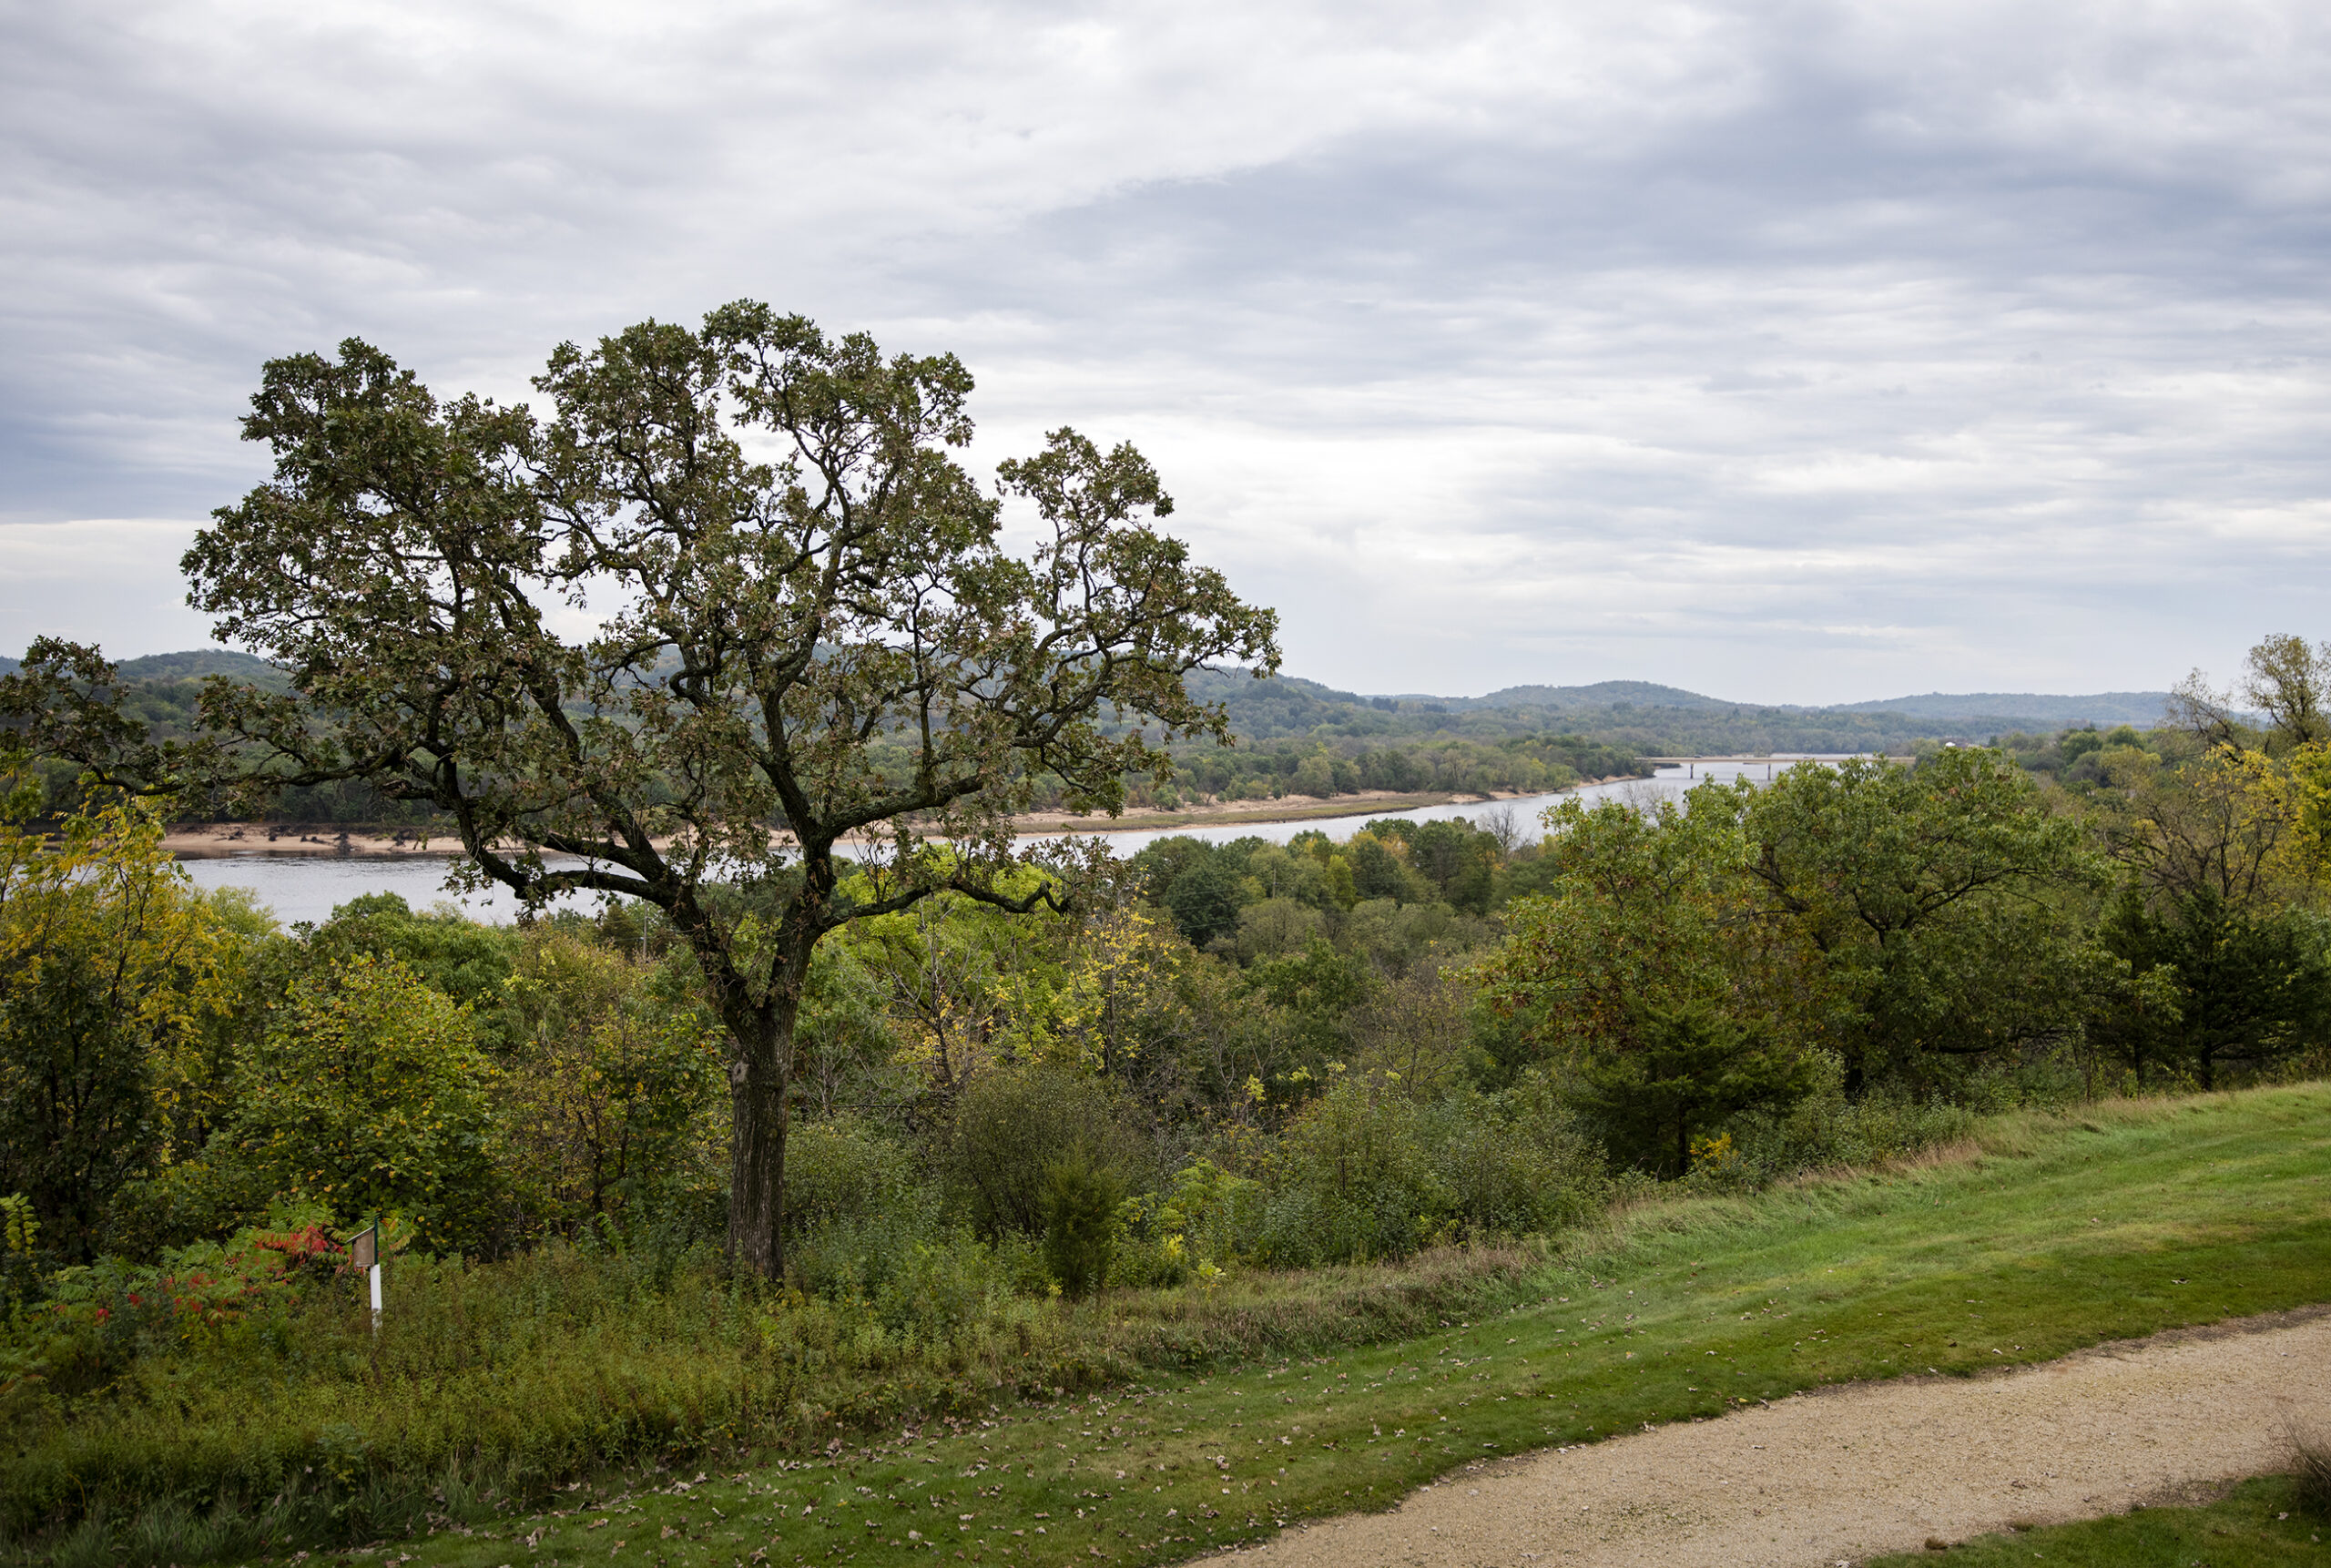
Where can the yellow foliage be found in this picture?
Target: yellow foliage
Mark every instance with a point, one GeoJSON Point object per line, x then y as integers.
{"type": "Point", "coordinates": [970, 985]}
{"type": "Point", "coordinates": [103, 897]}
{"type": "Point", "coordinates": [2302, 795]}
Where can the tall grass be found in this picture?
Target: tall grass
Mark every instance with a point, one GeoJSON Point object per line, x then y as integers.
{"type": "Point", "coordinates": [489, 1383]}
{"type": "Point", "coordinates": [2311, 1469]}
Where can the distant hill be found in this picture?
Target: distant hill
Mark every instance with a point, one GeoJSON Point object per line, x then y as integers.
{"type": "Point", "coordinates": [1638, 716]}
{"type": "Point", "coordinates": [1654, 719]}
{"type": "Point", "coordinates": [197, 663]}
{"type": "Point", "coordinates": [2142, 709]}
{"type": "Point", "coordinates": [1602, 694]}
{"type": "Point", "coordinates": [192, 665]}
{"type": "Point", "coordinates": [161, 690]}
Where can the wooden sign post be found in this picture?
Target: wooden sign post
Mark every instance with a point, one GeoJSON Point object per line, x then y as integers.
{"type": "Point", "coordinates": [364, 1251]}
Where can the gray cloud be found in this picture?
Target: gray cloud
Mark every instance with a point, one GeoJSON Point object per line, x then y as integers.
{"type": "Point", "coordinates": [1804, 352]}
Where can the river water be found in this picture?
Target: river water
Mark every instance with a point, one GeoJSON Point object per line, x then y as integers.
{"type": "Point", "coordinates": [310, 887]}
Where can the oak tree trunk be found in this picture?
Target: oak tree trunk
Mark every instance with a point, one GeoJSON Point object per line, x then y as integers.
{"type": "Point", "coordinates": [757, 1081]}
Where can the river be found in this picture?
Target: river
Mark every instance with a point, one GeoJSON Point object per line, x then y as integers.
{"type": "Point", "coordinates": [310, 887]}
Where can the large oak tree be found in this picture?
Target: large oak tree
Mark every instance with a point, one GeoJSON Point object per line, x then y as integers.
{"type": "Point", "coordinates": [728, 607]}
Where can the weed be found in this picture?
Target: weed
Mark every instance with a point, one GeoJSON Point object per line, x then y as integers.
{"type": "Point", "coordinates": [2311, 1470]}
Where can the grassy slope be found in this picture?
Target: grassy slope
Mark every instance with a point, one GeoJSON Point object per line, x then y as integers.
{"type": "Point", "coordinates": [2052, 1234]}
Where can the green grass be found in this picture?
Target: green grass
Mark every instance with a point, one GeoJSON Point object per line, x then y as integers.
{"type": "Point", "coordinates": [2259, 1525]}
{"type": "Point", "coordinates": [2046, 1235]}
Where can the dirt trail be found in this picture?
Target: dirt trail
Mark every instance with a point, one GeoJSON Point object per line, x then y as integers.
{"type": "Point", "coordinates": [1838, 1474]}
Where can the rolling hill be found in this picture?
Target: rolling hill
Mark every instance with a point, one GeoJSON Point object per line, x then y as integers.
{"type": "Point", "coordinates": [1641, 716]}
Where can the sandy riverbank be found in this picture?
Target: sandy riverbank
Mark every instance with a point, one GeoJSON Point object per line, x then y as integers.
{"type": "Point", "coordinates": [213, 840]}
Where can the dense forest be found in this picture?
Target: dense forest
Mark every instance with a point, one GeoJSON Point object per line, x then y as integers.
{"type": "Point", "coordinates": [1209, 1060]}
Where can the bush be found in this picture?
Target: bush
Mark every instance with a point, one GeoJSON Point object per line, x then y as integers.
{"type": "Point", "coordinates": [461, 959]}
{"type": "Point", "coordinates": [616, 1107]}
{"type": "Point", "coordinates": [95, 1323]}
{"type": "Point", "coordinates": [937, 1292]}
{"type": "Point", "coordinates": [841, 1173]}
{"type": "Point", "coordinates": [1353, 1179]}
{"type": "Point", "coordinates": [111, 970]}
{"type": "Point", "coordinates": [1518, 1164]}
{"type": "Point", "coordinates": [1368, 1173]}
{"type": "Point", "coordinates": [1827, 1130]}
{"type": "Point", "coordinates": [369, 1096]}
{"type": "Point", "coordinates": [1211, 1212]}
{"type": "Point", "coordinates": [1688, 1068]}
{"type": "Point", "coordinates": [1080, 1205]}
{"type": "Point", "coordinates": [1012, 1126]}
{"type": "Point", "coordinates": [855, 1215]}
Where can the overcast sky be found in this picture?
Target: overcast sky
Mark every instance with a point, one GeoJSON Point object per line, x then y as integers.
{"type": "Point", "coordinates": [1786, 352]}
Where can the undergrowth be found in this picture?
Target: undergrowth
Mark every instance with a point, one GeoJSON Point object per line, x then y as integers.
{"type": "Point", "coordinates": [486, 1385]}
{"type": "Point", "coordinates": [490, 1385]}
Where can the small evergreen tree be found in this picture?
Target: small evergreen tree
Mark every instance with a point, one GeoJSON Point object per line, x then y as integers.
{"type": "Point", "coordinates": [1080, 1202]}
{"type": "Point", "coordinates": [1692, 1067]}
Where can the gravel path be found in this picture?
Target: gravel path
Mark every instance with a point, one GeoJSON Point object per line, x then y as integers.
{"type": "Point", "coordinates": [1832, 1476]}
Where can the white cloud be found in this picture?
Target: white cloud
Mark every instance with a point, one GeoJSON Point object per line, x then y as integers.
{"type": "Point", "coordinates": [110, 581]}
{"type": "Point", "coordinates": [1802, 351]}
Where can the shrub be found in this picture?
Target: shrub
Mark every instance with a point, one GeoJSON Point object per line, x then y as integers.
{"type": "Point", "coordinates": [1688, 1068]}
{"type": "Point", "coordinates": [1080, 1207]}
{"type": "Point", "coordinates": [109, 968]}
{"type": "Point", "coordinates": [1212, 1211]}
{"type": "Point", "coordinates": [95, 1322]}
{"type": "Point", "coordinates": [855, 1215]}
{"type": "Point", "coordinates": [938, 1292]}
{"type": "Point", "coordinates": [1518, 1164]}
{"type": "Point", "coordinates": [461, 959]}
{"type": "Point", "coordinates": [1826, 1130]}
{"type": "Point", "coordinates": [1368, 1173]}
{"type": "Point", "coordinates": [617, 1104]}
{"type": "Point", "coordinates": [369, 1095]}
{"type": "Point", "coordinates": [1352, 1180]}
{"type": "Point", "coordinates": [841, 1171]}
{"type": "Point", "coordinates": [1012, 1126]}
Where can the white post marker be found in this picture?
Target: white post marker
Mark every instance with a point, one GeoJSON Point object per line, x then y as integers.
{"type": "Point", "coordinates": [364, 1251]}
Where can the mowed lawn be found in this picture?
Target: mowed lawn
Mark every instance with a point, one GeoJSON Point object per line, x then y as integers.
{"type": "Point", "coordinates": [2044, 1235]}
{"type": "Point", "coordinates": [2263, 1523]}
